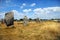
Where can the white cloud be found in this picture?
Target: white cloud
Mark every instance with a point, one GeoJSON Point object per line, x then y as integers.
{"type": "Point", "coordinates": [23, 5]}
{"type": "Point", "coordinates": [38, 10]}
{"type": "Point", "coordinates": [17, 15]}
{"type": "Point", "coordinates": [33, 4]}
{"type": "Point", "coordinates": [27, 10]}
{"type": "Point", "coordinates": [48, 12]}
{"type": "Point", "coordinates": [2, 14]}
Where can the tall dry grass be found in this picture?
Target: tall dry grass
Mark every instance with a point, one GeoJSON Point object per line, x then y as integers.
{"type": "Point", "coordinates": [48, 30]}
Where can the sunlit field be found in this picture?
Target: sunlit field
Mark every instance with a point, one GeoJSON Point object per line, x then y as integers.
{"type": "Point", "coordinates": [46, 30]}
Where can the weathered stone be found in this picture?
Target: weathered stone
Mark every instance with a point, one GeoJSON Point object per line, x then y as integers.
{"type": "Point", "coordinates": [25, 21]}
{"type": "Point", "coordinates": [9, 18]}
{"type": "Point", "coordinates": [37, 20]}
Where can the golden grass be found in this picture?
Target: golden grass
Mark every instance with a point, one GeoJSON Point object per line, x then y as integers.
{"type": "Point", "coordinates": [48, 30]}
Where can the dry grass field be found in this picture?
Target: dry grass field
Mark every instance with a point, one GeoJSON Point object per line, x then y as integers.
{"type": "Point", "coordinates": [47, 30]}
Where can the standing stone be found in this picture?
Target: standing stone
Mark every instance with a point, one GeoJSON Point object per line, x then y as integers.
{"type": "Point", "coordinates": [25, 21]}
{"type": "Point", "coordinates": [9, 18]}
{"type": "Point", "coordinates": [37, 20]}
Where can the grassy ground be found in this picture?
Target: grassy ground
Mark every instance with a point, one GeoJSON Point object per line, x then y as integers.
{"type": "Point", "coordinates": [47, 30]}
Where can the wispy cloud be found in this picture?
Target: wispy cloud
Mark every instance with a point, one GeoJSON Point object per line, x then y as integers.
{"type": "Point", "coordinates": [27, 10]}
{"type": "Point", "coordinates": [23, 5]}
{"type": "Point", "coordinates": [33, 4]}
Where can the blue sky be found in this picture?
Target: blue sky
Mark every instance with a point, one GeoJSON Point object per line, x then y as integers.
{"type": "Point", "coordinates": [44, 9]}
